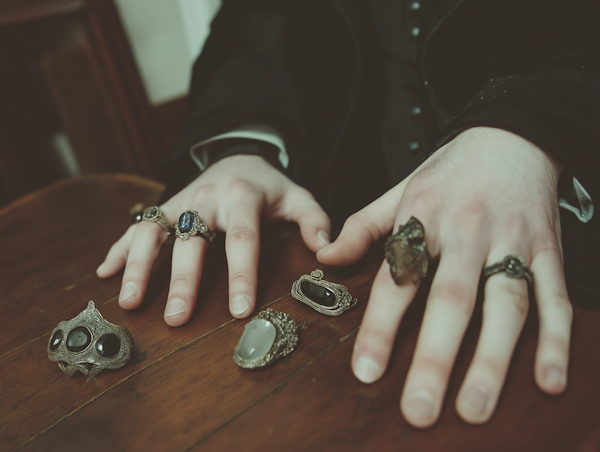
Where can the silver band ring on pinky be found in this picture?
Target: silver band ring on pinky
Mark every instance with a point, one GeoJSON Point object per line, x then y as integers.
{"type": "Point", "coordinates": [190, 224]}
{"type": "Point", "coordinates": [513, 265]}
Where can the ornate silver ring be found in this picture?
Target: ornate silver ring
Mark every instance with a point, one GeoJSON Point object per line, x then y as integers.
{"type": "Point", "coordinates": [323, 296]}
{"type": "Point", "coordinates": [513, 265]}
{"type": "Point", "coordinates": [89, 344]}
{"type": "Point", "coordinates": [190, 224]}
{"type": "Point", "coordinates": [406, 252]}
{"type": "Point", "coordinates": [267, 337]}
{"type": "Point", "coordinates": [153, 214]}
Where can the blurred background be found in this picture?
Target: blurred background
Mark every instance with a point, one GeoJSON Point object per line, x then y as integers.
{"type": "Point", "coordinates": [93, 86]}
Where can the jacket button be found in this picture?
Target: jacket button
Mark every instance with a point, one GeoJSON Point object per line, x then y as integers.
{"type": "Point", "coordinates": [415, 112]}
{"type": "Point", "coordinates": [415, 31]}
{"type": "Point", "coordinates": [413, 146]}
{"type": "Point", "coordinates": [414, 6]}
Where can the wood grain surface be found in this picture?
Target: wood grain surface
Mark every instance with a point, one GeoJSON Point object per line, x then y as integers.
{"type": "Point", "coordinates": [182, 390]}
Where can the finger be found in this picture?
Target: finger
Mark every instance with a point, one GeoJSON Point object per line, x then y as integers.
{"type": "Point", "coordinates": [147, 241]}
{"type": "Point", "coordinates": [447, 314]}
{"type": "Point", "coordinates": [504, 312]}
{"type": "Point", "coordinates": [117, 255]}
{"type": "Point", "coordinates": [188, 260]}
{"type": "Point", "coordinates": [242, 245]}
{"type": "Point", "coordinates": [556, 315]}
{"type": "Point", "coordinates": [315, 226]}
{"type": "Point", "coordinates": [385, 309]}
{"type": "Point", "coordinates": [363, 229]}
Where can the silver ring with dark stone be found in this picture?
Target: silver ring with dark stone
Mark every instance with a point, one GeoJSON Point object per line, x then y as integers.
{"type": "Point", "coordinates": [268, 336]}
{"type": "Point", "coordinates": [406, 252]}
{"type": "Point", "coordinates": [153, 214]}
{"type": "Point", "coordinates": [323, 296]}
{"type": "Point", "coordinates": [89, 344]}
{"type": "Point", "coordinates": [513, 265]}
{"type": "Point", "coordinates": [190, 224]}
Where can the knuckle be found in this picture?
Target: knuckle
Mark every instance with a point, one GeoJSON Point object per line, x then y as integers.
{"type": "Point", "coordinates": [430, 365]}
{"type": "Point", "coordinates": [515, 299]}
{"type": "Point", "coordinates": [240, 189]}
{"type": "Point", "coordinates": [454, 295]}
{"type": "Point", "coordinates": [242, 235]}
{"type": "Point", "coordinates": [135, 266]}
{"type": "Point", "coordinates": [360, 221]}
{"type": "Point", "coordinates": [181, 277]}
{"type": "Point", "coordinates": [422, 204]}
{"type": "Point", "coordinates": [556, 343]}
{"type": "Point", "coordinates": [202, 193]}
{"type": "Point", "coordinates": [546, 241]}
{"type": "Point", "coordinates": [516, 226]}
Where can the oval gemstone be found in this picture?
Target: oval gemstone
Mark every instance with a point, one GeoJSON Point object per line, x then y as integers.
{"type": "Point", "coordinates": [151, 212]}
{"type": "Point", "coordinates": [257, 340]}
{"type": "Point", "coordinates": [78, 339]}
{"type": "Point", "coordinates": [56, 340]}
{"type": "Point", "coordinates": [318, 294]}
{"type": "Point", "coordinates": [186, 222]}
{"type": "Point", "coordinates": [108, 345]}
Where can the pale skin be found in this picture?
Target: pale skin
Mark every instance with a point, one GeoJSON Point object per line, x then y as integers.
{"type": "Point", "coordinates": [486, 194]}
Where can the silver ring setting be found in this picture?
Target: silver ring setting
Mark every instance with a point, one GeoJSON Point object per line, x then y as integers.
{"type": "Point", "coordinates": [190, 224]}
{"type": "Point", "coordinates": [153, 214]}
{"type": "Point", "coordinates": [323, 296]}
{"type": "Point", "coordinates": [89, 344]}
{"type": "Point", "coordinates": [268, 336]}
{"type": "Point", "coordinates": [514, 267]}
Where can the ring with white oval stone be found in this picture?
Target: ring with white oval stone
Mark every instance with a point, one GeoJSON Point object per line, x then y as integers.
{"type": "Point", "coordinates": [268, 336]}
{"type": "Point", "coordinates": [153, 214]}
{"type": "Point", "coordinates": [190, 224]}
{"type": "Point", "coordinates": [323, 296]}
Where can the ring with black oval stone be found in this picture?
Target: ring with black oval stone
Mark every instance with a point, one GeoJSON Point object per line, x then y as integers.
{"type": "Point", "coordinates": [323, 296]}
{"type": "Point", "coordinates": [190, 224]}
{"type": "Point", "coordinates": [153, 214]}
{"type": "Point", "coordinates": [513, 265]}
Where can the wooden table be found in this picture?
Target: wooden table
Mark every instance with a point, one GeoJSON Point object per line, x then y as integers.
{"type": "Point", "coordinates": [182, 389]}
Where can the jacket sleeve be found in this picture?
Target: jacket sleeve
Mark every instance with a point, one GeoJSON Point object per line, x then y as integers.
{"type": "Point", "coordinates": [241, 77]}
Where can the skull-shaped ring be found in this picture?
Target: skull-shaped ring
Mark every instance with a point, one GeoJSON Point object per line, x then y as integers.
{"type": "Point", "coordinates": [89, 344]}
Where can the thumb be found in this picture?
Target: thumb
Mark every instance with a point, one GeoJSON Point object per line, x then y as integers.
{"type": "Point", "coordinates": [315, 225]}
{"type": "Point", "coordinates": [363, 229]}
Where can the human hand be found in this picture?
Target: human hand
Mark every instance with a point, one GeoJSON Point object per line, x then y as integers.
{"type": "Point", "coordinates": [486, 194]}
{"type": "Point", "coordinates": [230, 196]}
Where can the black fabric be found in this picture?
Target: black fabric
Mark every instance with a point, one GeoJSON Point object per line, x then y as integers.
{"type": "Point", "coordinates": [339, 78]}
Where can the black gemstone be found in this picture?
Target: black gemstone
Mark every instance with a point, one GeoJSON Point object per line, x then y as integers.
{"type": "Point", "coordinates": [318, 294]}
{"type": "Point", "coordinates": [56, 340]}
{"type": "Point", "coordinates": [186, 222]}
{"type": "Point", "coordinates": [78, 339]}
{"type": "Point", "coordinates": [108, 345]}
{"type": "Point", "coordinates": [514, 266]}
{"type": "Point", "coordinates": [151, 212]}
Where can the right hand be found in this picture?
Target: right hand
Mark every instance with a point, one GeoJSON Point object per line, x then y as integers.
{"type": "Point", "coordinates": [230, 196]}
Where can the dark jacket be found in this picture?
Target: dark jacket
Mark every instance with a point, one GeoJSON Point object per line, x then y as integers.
{"type": "Point", "coordinates": [318, 71]}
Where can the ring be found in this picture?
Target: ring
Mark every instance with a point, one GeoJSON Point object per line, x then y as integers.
{"type": "Point", "coordinates": [190, 224]}
{"type": "Point", "coordinates": [136, 213]}
{"type": "Point", "coordinates": [406, 252]}
{"type": "Point", "coordinates": [513, 265]}
{"type": "Point", "coordinates": [153, 214]}
{"type": "Point", "coordinates": [323, 296]}
{"type": "Point", "coordinates": [89, 344]}
{"type": "Point", "coordinates": [267, 337]}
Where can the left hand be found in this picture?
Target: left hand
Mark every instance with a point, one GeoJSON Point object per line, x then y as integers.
{"type": "Point", "coordinates": [486, 194]}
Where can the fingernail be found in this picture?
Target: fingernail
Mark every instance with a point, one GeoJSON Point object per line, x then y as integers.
{"type": "Point", "coordinates": [476, 399]}
{"type": "Point", "coordinates": [419, 406]}
{"type": "Point", "coordinates": [128, 291]}
{"type": "Point", "coordinates": [240, 304]}
{"type": "Point", "coordinates": [101, 268]}
{"type": "Point", "coordinates": [175, 306]}
{"type": "Point", "coordinates": [555, 376]}
{"type": "Point", "coordinates": [366, 370]}
{"type": "Point", "coordinates": [324, 237]}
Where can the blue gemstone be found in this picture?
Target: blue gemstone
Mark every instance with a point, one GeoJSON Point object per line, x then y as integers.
{"type": "Point", "coordinates": [318, 294]}
{"type": "Point", "coordinates": [186, 222]}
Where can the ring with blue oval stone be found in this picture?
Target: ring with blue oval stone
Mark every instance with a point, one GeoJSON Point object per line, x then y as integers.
{"type": "Point", "coordinates": [190, 224]}
{"type": "Point", "coordinates": [323, 296]}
